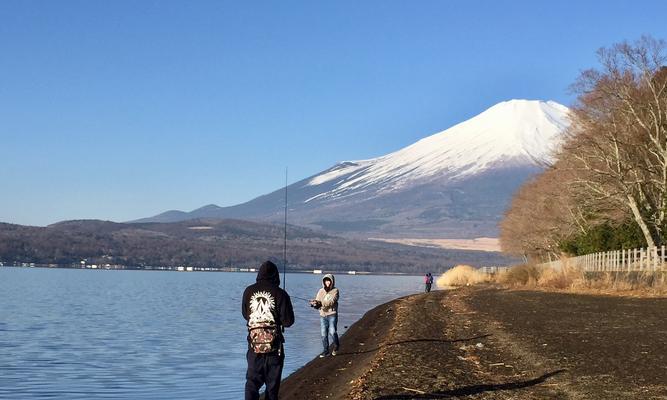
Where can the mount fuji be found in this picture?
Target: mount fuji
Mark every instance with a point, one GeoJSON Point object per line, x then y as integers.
{"type": "Point", "coordinates": [453, 184]}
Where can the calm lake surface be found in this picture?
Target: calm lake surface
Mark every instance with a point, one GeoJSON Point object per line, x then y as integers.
{"type": "Point", "coordinates": [97, 334]}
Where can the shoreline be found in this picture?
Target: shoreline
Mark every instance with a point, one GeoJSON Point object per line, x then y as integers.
{"type": "Point", "coordinates": [203, 269]}
{"type": "Point", "coordinates": [495, 344]}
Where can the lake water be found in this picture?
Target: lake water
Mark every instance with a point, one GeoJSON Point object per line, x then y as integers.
{"type": "Point", "coordinates": [84, 334]}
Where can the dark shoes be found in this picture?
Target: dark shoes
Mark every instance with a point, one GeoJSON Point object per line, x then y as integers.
{"type": "Point", "coordinates": [326, 353]}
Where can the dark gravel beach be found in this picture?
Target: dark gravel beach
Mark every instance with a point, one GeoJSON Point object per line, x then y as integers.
{"type": "Point", "coordinates": [489, 343]}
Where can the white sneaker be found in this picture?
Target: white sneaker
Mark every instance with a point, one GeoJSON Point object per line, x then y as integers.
{"type": "Point", "coordinates": [333, 353]}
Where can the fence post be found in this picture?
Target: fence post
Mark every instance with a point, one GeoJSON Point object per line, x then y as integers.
{"type": "Point", "coordinates": [649, 258]}
{"type": "Point", "coordinates": [607, 258]}
{"type": "Point", "coordinates": [622, 259]}
{"type": "Point", "coordinates": [642, 258]}
{"type": "Point", "coordinates": [599, 263]}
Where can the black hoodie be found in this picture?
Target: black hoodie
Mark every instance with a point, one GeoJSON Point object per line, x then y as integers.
{"type": "Point", "coordinates": [265, 301]}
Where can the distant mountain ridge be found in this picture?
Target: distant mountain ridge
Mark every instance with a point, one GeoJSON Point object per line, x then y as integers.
{"type": "Point", "coordinates": [453, 184]}
{"type": "Point", "coordinates": [218, 243]}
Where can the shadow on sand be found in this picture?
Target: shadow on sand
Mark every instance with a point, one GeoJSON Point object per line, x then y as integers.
{"type": "Point", "coordinates": [415, 341]}
{"type": "Point", "coordinates": [473, 389]}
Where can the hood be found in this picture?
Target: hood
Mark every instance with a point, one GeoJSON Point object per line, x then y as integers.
{"type": "Point", "coordinates": [333, 280]}
{"type": "Point", "coordinates": [269, 272]}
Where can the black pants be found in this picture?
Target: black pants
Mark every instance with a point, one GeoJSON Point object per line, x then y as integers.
{"type": "Point", "coordinates": [263, 369]}
{"type": "Point", "coordinates": [428, 287]}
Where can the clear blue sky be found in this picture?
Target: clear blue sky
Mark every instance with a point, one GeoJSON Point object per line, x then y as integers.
{"type": "Point", "coordinates": [123, 109]}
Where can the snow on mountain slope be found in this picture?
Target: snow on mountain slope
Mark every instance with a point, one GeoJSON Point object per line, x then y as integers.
{"type": "Point", "coordinates": [453, 184]}
{"type": "Point", "coordinates": [514, 133]}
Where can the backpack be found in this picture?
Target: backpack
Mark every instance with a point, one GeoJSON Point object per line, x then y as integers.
{"type": "Point", "coordinates": [264, 338]}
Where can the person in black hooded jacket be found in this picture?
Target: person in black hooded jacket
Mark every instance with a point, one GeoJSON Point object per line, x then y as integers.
{"type": "Point", "coordinates": [268, 310]}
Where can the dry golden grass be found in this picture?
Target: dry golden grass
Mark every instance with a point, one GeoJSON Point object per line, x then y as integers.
{"type": "Point", "coordinates": [565, 278]}
{"type": "Point", "coordinates": [568, 279]}
{"type": "Point", "coordinates": [461, 275]}
{"type": "Point", "coordinates": [520, 275]}
{"type": "Point", "coordinates": [574, 280]}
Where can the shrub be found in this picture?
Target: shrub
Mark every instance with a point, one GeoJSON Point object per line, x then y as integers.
{"type": "Point", "coordinates": [461, 275]}
{"type": "Point", "coordinates": [521, 275]}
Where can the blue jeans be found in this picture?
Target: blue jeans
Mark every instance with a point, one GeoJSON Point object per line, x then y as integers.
{"type": "Point", "coordinates": [329, 326]}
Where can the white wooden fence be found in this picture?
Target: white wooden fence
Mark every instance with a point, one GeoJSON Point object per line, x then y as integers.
{"type": "Point", "coordinates": [493, 270]}
{"type": "Point", "coordinates": [649, 259]}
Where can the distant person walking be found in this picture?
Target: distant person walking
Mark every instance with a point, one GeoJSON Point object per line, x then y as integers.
{"type": "Point", "coordinates": [326, 301]}
{"type": "Point", "coordinates": [268, 310]}
{"type": "Point", "coordinates": [428, 281]}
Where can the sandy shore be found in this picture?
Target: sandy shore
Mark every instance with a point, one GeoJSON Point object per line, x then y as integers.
{"type": "Point", "coordinates": [486, 343]}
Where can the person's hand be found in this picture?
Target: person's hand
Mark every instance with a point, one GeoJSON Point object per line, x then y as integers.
{"type": "Point", "coordinates": [315, 304]}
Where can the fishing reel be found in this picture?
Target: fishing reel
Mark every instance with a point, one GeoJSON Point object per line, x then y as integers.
{"type": "Point", "coordinates": [316, 304]}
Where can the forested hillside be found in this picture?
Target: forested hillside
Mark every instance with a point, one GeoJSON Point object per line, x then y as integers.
{"type": "Point", "coordinates": [219, 243]}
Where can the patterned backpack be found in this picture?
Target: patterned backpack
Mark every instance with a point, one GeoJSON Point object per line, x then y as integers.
{"type": "Point", "coordinates": [264, 338]}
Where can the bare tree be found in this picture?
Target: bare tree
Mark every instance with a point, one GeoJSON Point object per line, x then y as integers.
{"type": "Point", "coordinates": [542, 214]}
{"type": "Point", "coordinates": [617, 146]}
{"type": "Point", "coordinates": [613, 165]}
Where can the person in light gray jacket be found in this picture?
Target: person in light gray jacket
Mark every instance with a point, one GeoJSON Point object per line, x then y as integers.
{"type": "Point", "coordinates": [326, 301]}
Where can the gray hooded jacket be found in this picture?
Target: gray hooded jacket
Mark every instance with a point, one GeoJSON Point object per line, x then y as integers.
{"type": "Point", "coordinates": [328, 299]}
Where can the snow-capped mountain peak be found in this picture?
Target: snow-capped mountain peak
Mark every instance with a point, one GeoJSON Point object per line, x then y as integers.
{"type": "Point", "coordinates": [514, 132]}
{"type": "Point", "coordinates": [453, 184]}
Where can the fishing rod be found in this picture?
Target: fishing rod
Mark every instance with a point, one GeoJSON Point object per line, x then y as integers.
{"type": "Point", "coordinates": [285, 238]}
{"type": "Point", "coordinates": [311, 302]}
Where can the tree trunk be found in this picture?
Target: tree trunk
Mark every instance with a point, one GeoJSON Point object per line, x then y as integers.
{"type": "Point", "coordinates": [640, 221]}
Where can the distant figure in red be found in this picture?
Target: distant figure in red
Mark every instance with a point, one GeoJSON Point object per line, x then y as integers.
{"type": "Point", "coordinates": [428, 281]}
